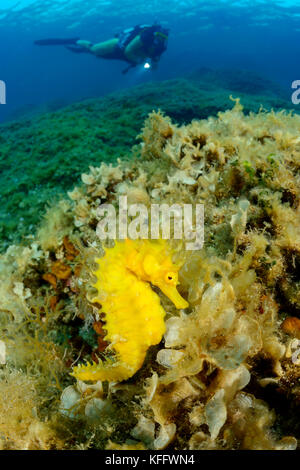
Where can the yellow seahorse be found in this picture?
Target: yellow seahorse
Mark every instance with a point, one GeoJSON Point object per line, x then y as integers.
{"type": "Point", "coordinates": [134, 315]}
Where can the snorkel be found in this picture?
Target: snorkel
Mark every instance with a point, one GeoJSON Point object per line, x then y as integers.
{"type": "Point", "coordinates": [162, 36]}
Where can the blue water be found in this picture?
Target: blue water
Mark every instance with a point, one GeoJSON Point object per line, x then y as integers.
{"type": "Point", "coordinates": [260, 36]}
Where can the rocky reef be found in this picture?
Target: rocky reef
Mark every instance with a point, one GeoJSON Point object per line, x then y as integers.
{"type": "Point", "coordinates": [226, 373]}
{"type": "Point", "coordinates": [43, 155]}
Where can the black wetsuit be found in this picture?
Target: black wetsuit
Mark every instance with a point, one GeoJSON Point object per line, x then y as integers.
{"type": "Point", "coordinates": [153, 46]}
{"type": "Point", "coordinates": [153, 37]}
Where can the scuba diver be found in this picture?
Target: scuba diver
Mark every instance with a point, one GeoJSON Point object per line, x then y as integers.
{"type": "Point", "coordinates": [143, 44]}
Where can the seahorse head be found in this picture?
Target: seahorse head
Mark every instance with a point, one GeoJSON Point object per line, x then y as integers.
{"type": "Point", "coordinates": [163, 273]}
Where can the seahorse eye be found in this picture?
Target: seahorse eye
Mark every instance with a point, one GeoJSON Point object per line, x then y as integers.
{"type": "Point", "coordinates": [171, 278]}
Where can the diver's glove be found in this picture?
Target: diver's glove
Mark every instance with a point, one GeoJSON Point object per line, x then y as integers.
{"type": "Point", "coordinates": [131, 66]}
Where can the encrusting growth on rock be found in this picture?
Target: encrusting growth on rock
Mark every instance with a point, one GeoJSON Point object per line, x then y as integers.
{"type": "Point", "coordinates": [220, 374]}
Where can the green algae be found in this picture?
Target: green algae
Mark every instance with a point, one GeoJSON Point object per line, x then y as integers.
{"type": "Point", "coordinates": [42, 157]}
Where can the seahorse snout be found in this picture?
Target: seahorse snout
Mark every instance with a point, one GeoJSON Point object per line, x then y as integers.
{"type": "Point", "coordinates": [172, 293]}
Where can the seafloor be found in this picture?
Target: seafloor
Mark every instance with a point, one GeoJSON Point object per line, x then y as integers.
{"type": "Point", "coordinates": [44, 152]}
{"type": "Point", "coordinates": [225, 374]}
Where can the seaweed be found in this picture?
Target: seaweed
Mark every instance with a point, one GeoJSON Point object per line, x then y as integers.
{"type": "Point", "coordinates": [208, 383]}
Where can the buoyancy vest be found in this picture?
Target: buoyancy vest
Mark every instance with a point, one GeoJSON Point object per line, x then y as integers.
{"type": "Point", "coordinates": [154, 39]}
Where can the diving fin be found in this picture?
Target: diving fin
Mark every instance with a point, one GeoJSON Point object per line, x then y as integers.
{"type": "Point", "coordinates": [56, 42]}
